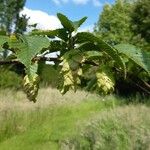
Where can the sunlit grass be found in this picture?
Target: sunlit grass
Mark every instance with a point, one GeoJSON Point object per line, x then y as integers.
{"type": "Point", "coordinates": [47, 124]}
{"type": "Point", "coordinates": [54, 117]}
{"type": "Point", "coordinates": [122, 128]}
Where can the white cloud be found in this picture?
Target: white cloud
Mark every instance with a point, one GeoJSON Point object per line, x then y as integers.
{"type": "Point", "coordinates": [80, 1]}
{"type": "Point", "coordinates": [47, 22]}
{"type": "Point", "coordinates": [96, 3]}
{"type": "Point", "coordinates": [58, 2]}
{"type": "Point", "coordinates": [44, 21]}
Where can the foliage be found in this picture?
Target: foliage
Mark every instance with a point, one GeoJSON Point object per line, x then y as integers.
{"type": "Point", "coordinates": [120, 23]}
{"type": "Point", "coordinates": [26, 48]}
{"type": "Point", "coordinates": [125, 22]}
{"type": "Point", "coordinates": [49, 75]}
{"type": "Point", "coordinates": [140, 20]}
{"type": "Point", "coordinates": [114, 23]}
{"type": "Point", "coordinates": [9, 15]}
{"type": "Point", "coordinates": [73, 55]}
{"type": "Point", "coordinates": [140, 24]}
{"type": "Point", "coordinates": [9, 79]}
{"type": "Point", "coordinates": [79, 54]}
{"type": "Point", "coordinates": [140, 57]}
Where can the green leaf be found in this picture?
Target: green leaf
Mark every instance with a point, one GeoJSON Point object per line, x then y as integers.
{"type": "Point", "coordinates": [87, 46]}
{"type": "Point", "coordinates": [60, 33]}
{"type": "Point", "coordinates": [3, 39]}
{"type": "Point", "coordinates": [99, 45]}
{"type": "Point", "coordinates": [66, 23]}
{"type": "Point", "coordinates": [139, 57]}
{"type": "Point", "coordinates": [28, 47]}
{"type": "Point", "coordinates": [56, 46]}
{"type": "Point", "coordinates": [93, 54]}
{"type": "Point", "coordinates": [91, 84]}
{"type": "Point", "coordinates": [77, 24]}
{"type": "Point", "coordinates": [49, 33]}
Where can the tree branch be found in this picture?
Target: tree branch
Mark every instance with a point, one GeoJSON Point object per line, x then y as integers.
{"type": "Point", "coordinates": [8, 62]}
{"type": "Point", "coordinates": [39, 58]}
{"type": "Point", "coordinates": [15, 61]}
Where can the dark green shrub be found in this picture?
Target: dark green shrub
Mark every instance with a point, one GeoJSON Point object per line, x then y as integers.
{"type": "Point", "coordinates": [49, 75]}
{"type": "Point", "coordinates": [9, 79]}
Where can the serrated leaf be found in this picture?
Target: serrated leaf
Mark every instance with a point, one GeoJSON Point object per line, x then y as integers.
{"type": "Point", "coordinates": [60, 33]}
{"type": "Point", "coordinates": [77, 24]}
{"type": "Point", "coordinates": [49, 33]}
{"type": "Point", "coordinates": [28, 47]}
{"type": "Point", "coordinates": [87, 46]}
{"type": "Point", "coordinates": [93, 54]}
{"type": "Point", "coordinates": [139, 57]}
{"type": "Point", "coordinates": [57, 45]}
{"type": "Point", "coordinates": [90, 50]}
{"type": "Point", "coordinates": [91, 84]}
{"type": "Point", "coordinates": [66, 23]}
{"type": "Point", "coordinates": [100, 45]}
{"type": "Point", "coordinates": [70, 25]}
{"type": "Point", "coordinates": [3, 39]}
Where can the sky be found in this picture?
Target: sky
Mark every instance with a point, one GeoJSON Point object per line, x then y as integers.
{"type": "Point", "coordinates": [44, 12]}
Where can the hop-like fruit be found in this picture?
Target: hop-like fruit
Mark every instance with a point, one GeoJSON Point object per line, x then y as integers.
{"type": "Point", "coordinates": [71, 73]}
{"type": "Point", "coordinates": [31, 86]}
{"type": "Point", "coordinates": [105, 82]}
{"type": "Point", "coordinates": [13, 38]}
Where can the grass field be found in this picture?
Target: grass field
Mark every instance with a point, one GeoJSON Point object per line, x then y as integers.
{"type": "Point", "coordinates": [73, 121]}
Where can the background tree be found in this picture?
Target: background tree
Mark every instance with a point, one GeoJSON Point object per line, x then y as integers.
{"type": "Point", "coordinates": [10, 15]}
{"type": "Point", "coordinates": [125, 22]}
{"type": "Point", "coordinates": [140, 21]}
{"type": "Point", "coordinates": [11, 21]}
{"type": "Point", "coordinates": [114, 23]}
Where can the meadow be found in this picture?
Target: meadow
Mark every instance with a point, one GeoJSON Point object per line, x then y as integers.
{"type": "Point", "coordinates": [72, 122]}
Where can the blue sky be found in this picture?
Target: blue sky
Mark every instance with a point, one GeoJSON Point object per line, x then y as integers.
{"type": "Point", "coordinates": [74, 9]}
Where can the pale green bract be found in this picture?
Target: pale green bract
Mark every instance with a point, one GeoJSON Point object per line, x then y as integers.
{"type": "Point", "coordinates": [105, 82]}
{"type": "Point", "coordinates": [31, 86]}
{"type": "Point", "coordinates": [71, 70]}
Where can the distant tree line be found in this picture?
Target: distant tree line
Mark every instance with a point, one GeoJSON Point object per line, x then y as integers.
{"type": "Point", "coordinates": [125, 21]}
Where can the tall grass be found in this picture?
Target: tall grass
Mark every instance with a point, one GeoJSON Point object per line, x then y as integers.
{"type": "Point", "coordinates": [123, 128]}
{"type": "Point", "coordinates": [48, 121]}
{"type": "Point", "coordinates": [69, 121]}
